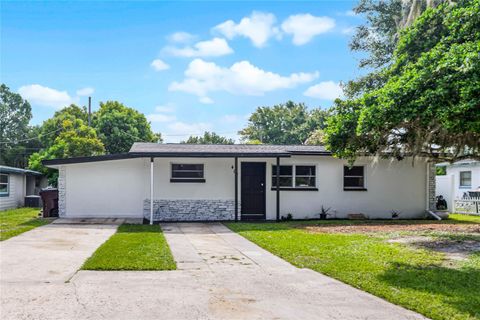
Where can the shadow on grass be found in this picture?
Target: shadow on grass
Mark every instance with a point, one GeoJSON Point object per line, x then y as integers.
{"type": "Point", "coordinates": [138, 228]}
{"type": "Point", "coordinates": [459, 288]}
{"type": "Point", "coordinates": [260, 226]}
{"type": "Point", "coordinates": [459, 237]}
{"type": "Point", "coordinates": [34, 222]}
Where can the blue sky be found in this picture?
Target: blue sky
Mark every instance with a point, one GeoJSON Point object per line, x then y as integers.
{"type": "Point", "coordinates": [188, 66]}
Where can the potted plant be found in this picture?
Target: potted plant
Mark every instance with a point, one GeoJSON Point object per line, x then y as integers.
{"type": "Point", "coordinates": [324, 213]}
{"type": "Point", "coordinates": [395, 214]}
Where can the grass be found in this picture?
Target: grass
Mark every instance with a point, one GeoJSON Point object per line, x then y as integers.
{"type": "Point", "coordinates": [462, 218]}
{"type": "Point", "coordinates": [411, 277]}
{"type": "Point", "coordinates": [16, 221]}
{"type": "Point", "coordinates": [133, 247]}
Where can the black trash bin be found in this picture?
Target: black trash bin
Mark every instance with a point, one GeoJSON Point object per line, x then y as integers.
{"type": "Point", "coordinates": [32, 201]}
{"type": "Point", "coordinates": [50, 202]}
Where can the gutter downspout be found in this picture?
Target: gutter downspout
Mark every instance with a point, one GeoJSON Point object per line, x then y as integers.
{"type": "Point", "coordinates": [278, 189]}
{"type": "Point", "coordinates": [427, 189]}
{"type": "Point", "coordinates": [151, 191]}
{"type": "Point", "coordinates": [236, 188]}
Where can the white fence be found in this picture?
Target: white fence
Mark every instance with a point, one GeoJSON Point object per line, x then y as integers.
{"type": "Point", "coordinates": [467, 206]}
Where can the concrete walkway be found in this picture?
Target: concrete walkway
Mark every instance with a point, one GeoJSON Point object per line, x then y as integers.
{"type": "Point", "coordinates": [246, 281]}
{"type": "Point", "coordinates": [221, 276]}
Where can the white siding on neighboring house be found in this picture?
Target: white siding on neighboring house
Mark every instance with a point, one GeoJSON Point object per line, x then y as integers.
{"type": "Point", "coordinates": [449, 185]}
{"type": "Point", "coordinates": [445, 187]}
{"type": "Point", "coordinates": [16, 193]}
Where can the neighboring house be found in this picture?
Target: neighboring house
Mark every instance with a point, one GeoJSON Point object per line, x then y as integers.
{"type": "Point", "coordinates": [16, 183]}
{"type": "Point", "coordinates": [462, 179]}
{"type": "Point", "coordinates": [239, 182]}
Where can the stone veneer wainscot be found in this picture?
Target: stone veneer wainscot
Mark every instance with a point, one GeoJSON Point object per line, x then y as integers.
{"type": "Point", "coordinates": [190, 210]}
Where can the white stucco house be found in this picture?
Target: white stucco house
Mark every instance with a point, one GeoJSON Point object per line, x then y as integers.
{"type": "Point", "coordinates": [462, 179]}
{"type": "Point", "coordinates": [16, 184]}
{"type": "Point", "coordinates": [239, 182]}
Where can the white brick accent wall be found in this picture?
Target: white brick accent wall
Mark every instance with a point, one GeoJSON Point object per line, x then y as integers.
{"type": "Point", "coordinates": [62, 191]}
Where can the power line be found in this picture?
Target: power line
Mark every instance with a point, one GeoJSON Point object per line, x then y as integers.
{"type": "Point", "coordinates": [6, 148]}
{"type": "Point", "coordinates": [194, 134]}
{"type": "Point", "coordinates": [163, 135]}
{"type": "Point", "coordinates": [29, 139]}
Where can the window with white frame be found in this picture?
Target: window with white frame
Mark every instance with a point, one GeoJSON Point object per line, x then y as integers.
{"type": "Point", "coordinates": [354, 178]}
{"type": "Point", "coordinates": [183, 172]}
{"type": "Point", "coordinates": [4, 184]}
{"type": "Point", "coordinates": [465, 179]}
{"type": "Point", "coordinates": [298, 176]}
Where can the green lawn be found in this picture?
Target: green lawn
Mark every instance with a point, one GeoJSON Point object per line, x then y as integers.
{"type": "Point", "coordinates": [133, 247]}
{"type": "Point", "coordinates": [463, 218]}
{"type": "Point", "coordinates": [417, 279]}
{"type": "Point", "coordinates": [16, 221]}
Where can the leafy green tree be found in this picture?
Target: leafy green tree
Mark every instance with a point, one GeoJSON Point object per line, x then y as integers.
{"type": "Point", "coordinates": [52, 127]}
{"type": "Point", "coordinates": [289, 123]}
{"type": "Point", "coordinates": [253, 142]}
{"type": "Point", "coordinates": [119, 127]}
{"type": "Point", "coordinates": [429, 104]}
{"type": "Point", "coordinates": [209, 138]}
{"type": "Point", "coordinates": [377, 38]}
{"type": "Point", "coordinates": [317, 137]}
{"type": "Point", "coordinates": [15, 133]}
{"type": "Point", "coordinates": [76, 139]}
{"type": "Point", "coordinates": [441, 170]}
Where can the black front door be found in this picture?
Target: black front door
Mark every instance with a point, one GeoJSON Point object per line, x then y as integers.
{"type": "Point", "coordinates": [253, 190]}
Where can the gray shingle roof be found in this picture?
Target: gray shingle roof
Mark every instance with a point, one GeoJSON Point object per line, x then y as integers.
{"type": "Point", "coordinates": [144, 150]}
{"type": "Point", "coordinates": [142, 147]}
{"type": "Point", "coordinates": [7, 169]}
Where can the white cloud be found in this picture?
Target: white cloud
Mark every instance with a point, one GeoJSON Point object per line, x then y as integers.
{"type": "Point", "coordinates": [350, 13]}
{"type": "Point", "coordinates": [168, 108]}
{"type": "Point", "coordinates": [159, 117]}
{"type": "Point", "coordinates": [327, 90]}
{"type": "Point", "coordinates": [85, 91]}
{"type": "Point", "coordinates": [232, 118]}
{"type": "Point", "coordinates": [348, 30]}
{"type": "Point", "coordinates": [210, 48]}
{"type": "Point", "coordinates": [259, 27]}
{"type": "Point", "coordinates": [242, 78]}
{"type": "Point", "coordinates": [187, 129]}
{"type": "Point", "coordinates": [159, 65]}
{"type": "Point", "coordinates": [205, 100]}
{"type": "Point", "coordinates": [177, 131]}
{"type": "Point", "coordinates": [304, 27]}
{"type": "Point", "coordinates": [181, 37]}
{"type": "Point", "coordinates": [44, 96]}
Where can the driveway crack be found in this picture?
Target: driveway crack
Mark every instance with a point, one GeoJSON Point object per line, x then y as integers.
{"type": "Point", "coordinates": [77, 298]}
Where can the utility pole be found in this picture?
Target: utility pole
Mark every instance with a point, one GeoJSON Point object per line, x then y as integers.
{"type": "Point", "coordinates": [89, 111]}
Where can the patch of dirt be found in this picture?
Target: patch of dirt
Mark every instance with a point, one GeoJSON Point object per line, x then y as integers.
{"type": "Point", "coordinates": [453, 249]}
{"type": "Point", "coordinates": [373, 228]}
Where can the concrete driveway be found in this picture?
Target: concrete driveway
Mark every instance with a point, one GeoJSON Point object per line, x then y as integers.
{"type": "Point", "coordinates": [221, 276]}
{"type": "Point", "coordinates": [52, 253]}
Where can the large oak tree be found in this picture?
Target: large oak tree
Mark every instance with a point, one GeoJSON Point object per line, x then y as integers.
{"type": "Point", "coordinates": [429, 102]}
